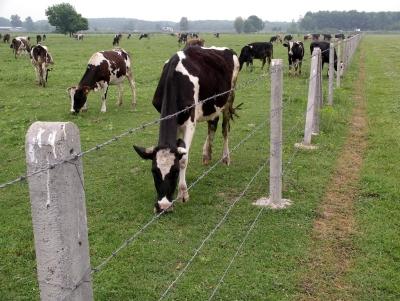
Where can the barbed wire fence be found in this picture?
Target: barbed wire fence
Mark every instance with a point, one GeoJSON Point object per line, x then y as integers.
{"type": "Point", "coordinates": [69, 289]}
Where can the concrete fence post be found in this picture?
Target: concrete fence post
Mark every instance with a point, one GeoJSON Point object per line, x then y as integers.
{"type": "Point", "coordinates": [275, 200]}
{"type": "Point", "coordinates": [340, 64]}
{"type": "Point", "coordinates": [332, 73]}
{"type": "Point", "coordinates": [319, 96]}
{"type": "Point", "coordinates": [313, 101]}
{"type": "Point", "coordinates": [58, 212]}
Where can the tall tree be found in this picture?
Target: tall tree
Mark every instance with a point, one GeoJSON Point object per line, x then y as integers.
{"type": "Point", "coordinates": [238, 24]}
{"type": "Point", "coordinates": [255, 22]}
{"type": "Point", "coordinates": [28, 24]}
{"type": "Point", "coordinates": [184, 24]}
{"type": "Point", "coordinates": [16, 21]}
{"type": "Point", "coordinates": [65, 18]}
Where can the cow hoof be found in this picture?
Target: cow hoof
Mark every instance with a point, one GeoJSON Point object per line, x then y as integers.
{"type": "Point", "coordinates": [183, 195]}
{"type": "Point", "coordinates": [226, 160]}
{"type": "Point", "coordinates": [84, 110]}
{"type": "Point", "coordinates": [206, 160]}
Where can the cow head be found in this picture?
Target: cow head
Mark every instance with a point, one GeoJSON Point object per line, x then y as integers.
{"type": "Point", "coordinates": [165, 169]}
{"type": "Point", "coordinates": [78, 97]}
{"type": "Point", "coordinates": [246, 56]}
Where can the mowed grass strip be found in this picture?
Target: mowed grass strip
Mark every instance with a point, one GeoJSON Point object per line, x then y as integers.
{"type": "Point", "coordinates": [119, 187]}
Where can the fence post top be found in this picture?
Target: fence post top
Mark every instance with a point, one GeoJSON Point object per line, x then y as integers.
{"type": "Point", "coordinates": [38, 128]}
{"type": "Point", "coordinates": [275, 62]}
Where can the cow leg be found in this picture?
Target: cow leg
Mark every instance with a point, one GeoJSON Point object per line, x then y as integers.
{"type": "Point", "coordinates": [43, 75]}
{"type": "Point", "coordinates": [188, 131]}
{"type": "Point", "coordinates": [263, 63]}
{"type": "Point", "coordinates": [225, 131]}
{"type": "Point", "coordinates": [207, 148]}
{"type": "Point", "coordinates": [300, 62]}
{"type": "Point", "coordinates": [37, 73]}
{"type": "Point", "coordinates": [104, 98]}
{"type": "Point", "coordinates": [132, 84]}
{"type": "Point", "coordinates": [120, 93]}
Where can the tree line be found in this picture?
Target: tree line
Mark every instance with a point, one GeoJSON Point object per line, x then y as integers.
{"type": "Point", "coordinates": [349, 20]}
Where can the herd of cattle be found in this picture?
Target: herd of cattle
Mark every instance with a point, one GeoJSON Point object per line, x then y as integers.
{"type": "Point", "coordinates": [191, 75]}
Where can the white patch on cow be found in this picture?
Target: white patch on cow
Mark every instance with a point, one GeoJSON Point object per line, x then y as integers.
{"type": "Point", "coordinates": [51, 140]}
{"type": "Point", "coordinates": [194, 79]}
{"type": "Point", "coordinates": [164, 204]}
{"type": "Point", "coordinates": [96, 59]}
{"type": "Point", "coordinates": [165, 160]}
{"type": "Point", "coordinates": [236, 66]}
{"type": "Point", "coordinates": [71, 91]}
{"type": "Point", "coordinates": [290, 47]}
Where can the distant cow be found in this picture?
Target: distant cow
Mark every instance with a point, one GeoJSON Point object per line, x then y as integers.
{"type": "Point", "coordinates": [41, 60]}
{"type": "Point", "coordinates": [104, 68]}
{"type": "Point", "coordinates": [295, 55]}
{"type": "Point", "coordinates": [258, 50]}
{"type": "Point", "coordinates": [325, 49]}
{"type": "Point", "coordinates": [19, 45]}
{"type": "Point", "coordinates": [307, 37]}
{"type": "Point", "coordinates": [182, 38]}
{"type": "Point", "coordinates": [188, 77]}
{"type": "Point", "coordinates": [116, 39]}
{"type": "Point", "coordinates": [339, 36]}
{"type": "Point", "coordinates": [144, 35]}
{"type": "Point", "coordinates": [6, 38]}
{"type": "Point", "coordinates": [216, 34]}
{"type": "Point", "coordinates": [129, 36]}
{"type": "Point", "coordinates": [44, 37]}
{"type": "Point", "coordinates": [38, 39]}
{"type": "Point", "coordinates": [288, 37]}
{"type": "Point", "coordinates": [194, 42]}
{"type": "Point", "coordinates": [327, 37]}
{"type": "Point", "coordinates": [78, 36]}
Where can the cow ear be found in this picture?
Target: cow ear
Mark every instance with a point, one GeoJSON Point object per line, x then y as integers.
{"type": "Point", "coordinates": [145, 153]}
{"type": "Point", "coordinates": [285, 44]}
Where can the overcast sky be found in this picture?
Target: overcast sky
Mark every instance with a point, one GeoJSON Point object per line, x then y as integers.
{"type": "Point", "coordinates": [173, 10]}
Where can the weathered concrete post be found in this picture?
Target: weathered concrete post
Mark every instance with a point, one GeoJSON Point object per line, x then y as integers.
{"type": "Point", "coordinates": [331, 73]}
{"type": "Point", "coordinates": [275, 200]}
{"type": "Point", "coordinates": [58, 212]}
{"type": "Point", "coordinates": [312, 102]}
{"type": "Point", "coordinates": [340, 65]}
{"type": "Point", "coordinates": [318, 95]}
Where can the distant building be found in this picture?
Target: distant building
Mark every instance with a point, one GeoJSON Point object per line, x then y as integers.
{"type": "Point", "coordinates": [167, 29]}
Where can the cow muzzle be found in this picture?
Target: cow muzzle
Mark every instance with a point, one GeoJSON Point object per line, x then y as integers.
{"type": "Point", "coordinates": [163, 205]}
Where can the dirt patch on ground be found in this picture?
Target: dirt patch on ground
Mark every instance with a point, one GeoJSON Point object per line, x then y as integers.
{"type": "Point", "coordinates": [332, 233]}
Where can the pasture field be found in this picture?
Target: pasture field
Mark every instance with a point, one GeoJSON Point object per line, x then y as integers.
{"type": "Point", "coordinates": [120, 192]}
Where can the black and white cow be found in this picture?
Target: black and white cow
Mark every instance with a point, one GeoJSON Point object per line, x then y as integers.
{"type": "Point", "coordinates": [182, 38]}
{"type": "Point", "coordinates": [339, 36]}
{"type": "Point", "coordinates": [324, 46]}
{"type": "Point", "coordinates": [288, 37]}
{"type": "Point", "coordinates": [19, 45]}
{"type": "Point", "coordinates": [144, 35]}
{"type": "Point", "coordinates": [116, 39]}
{"type": "Point", "coordinates": [41, 60]}
{"type": "Point", "coordinates": [38, 39]}
{"type": "Point", "coordinates": [6, 38]}
{"type": "Point", "coordinates": [315, 36]}
{"type": "Point", "coordinates": [327, 36]}
{"type": "Point", "coordinates": [104, 68]}
{"type": "Point", "coordinates": [188, 77]}
{"type": "Point", "coordinates": [295, 55]}
{"type": "Point", "coordinates": [44, 37]}
{"type": "Point", "coordinates": [216, 35]}
{"type": "Point", "coordinates": [257, 50]}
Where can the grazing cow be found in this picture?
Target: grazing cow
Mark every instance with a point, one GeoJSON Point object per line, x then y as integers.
{"type": "Point", "coordinates": [194, 42]}
{"type": "Point", "coordinates": [327, 36]}
{"type": "Point", "coordinates": [295, 55]}
{"type": "Point", "coordinates": [19, 45]}
{"type": "Point", "coordinates": [190, 76]}
{"type": "Point", "coordinates": [6, 38]}
{"type": "Point", "coordinates": [104, 68]}
{"type": "Point", "coordinates": [144, 35]}
{"type": "Point", "coordinates": [116, 40]}
{"type": "Point", "coordinates": [325, 49]}
{"type": "Point", "coordinates": [216, 34]}
{"type": "Point", "coordinates": [38, 39]}
{"type": "Point", "coordinates": [339, 36]}
{"type": "Point", "coordinates": [41, 60]}
{"type": "Point", "coordinates": [276, 38]}
{"type": "Point", "coordinates": [129, 36]}
{"type": "Point", "coordinates": [288, 37]}
{"type": "Point", "coordinates": [315, 36]}
{"type": "Point", "coordinates": [257, 50]}
{"type": "Point", "coordinates": [44, 37]}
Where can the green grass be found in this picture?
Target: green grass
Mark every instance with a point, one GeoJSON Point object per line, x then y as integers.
{"type": "Point", "coordinates": [120, 192]}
